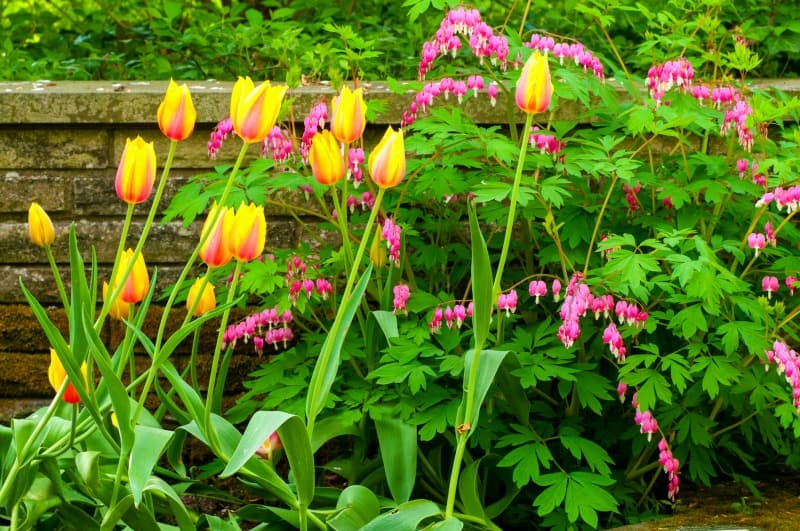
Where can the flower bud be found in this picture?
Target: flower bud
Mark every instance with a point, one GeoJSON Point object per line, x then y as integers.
{"type": "Point", "coordinates": [138, 282]}
{"type": "Point", "coordinates": [120, 309]}
{"type": "Point", "coordinates": [349, 115]}
{"type": "Point", "coordinates": [215, 251]}
{"type": "Point", "coordinates": [534, 88]}
{"type": "Point", "coordinates": [56, 374]}
{"type": "Point", "coordinates": [325, 157]}
{"type": "Point", "coordinates": [206, 300]}
{"type": "Point", "coordinates": [136, 171]}
{"type": "Point", "coordinates": [40, 227]}
{"type": "Point", "coordinates": [249, 232]}
{"type": "Point", "coordinates": [270, 446]}
{"type": "Point", "coordinates": [176, 114]}
{"type": "Point", "coordinates": [377, 251]}
{"type": "Point", "coordinates": [254, 110]}
{"type": "Point", "coordinates": [387, 162]}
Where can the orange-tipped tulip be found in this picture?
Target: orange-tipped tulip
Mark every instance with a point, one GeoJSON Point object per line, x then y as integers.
{"type": "Point", "coordinates": [56, 374]}
{"type": "Point", "coordinates": [176, 114]}
{"type": "Point", "coordinates": [216, 251]}
{"type": "Point", "coordinates": [254, 110]}
{"type": "Point", "coordinates": [120, 309]}
{"type": "Point", "coordinates": [325, 157]}
{"type": "Point", "coordinates": [207, 299]}
{"type": "Point", "coordinates": [136, 172]}
{"type": "Point", "coordinates": [387, 162]}
{"type": "Point", "coordinates": [270, 446]}
{"type": "Point", "coordinates": [137, 283]}
{"type": "Point", "coordinates": [349, 115]}
{"type": "Point", "coordinates": [534, 88]}
{"type": "Point", "coordinates": [249, 232]}
{"type": "Point", "coordinates": [40, 227]}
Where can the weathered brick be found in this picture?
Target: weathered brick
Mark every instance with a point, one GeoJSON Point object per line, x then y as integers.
{"type": "Point", "coordinates": [50, 148]}
{"type": "Point", "coordinates": [21, 189]}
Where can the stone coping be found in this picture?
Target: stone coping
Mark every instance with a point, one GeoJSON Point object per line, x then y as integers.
{"type": "Point", "coordinates": [109, 102]}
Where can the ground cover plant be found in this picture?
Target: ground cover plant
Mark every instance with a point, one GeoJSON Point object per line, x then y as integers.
{"type": "Point", "coordinates": [552, 322]}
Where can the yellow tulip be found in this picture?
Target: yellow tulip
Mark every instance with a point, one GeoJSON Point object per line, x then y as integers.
{"type": "Point", "coordinates": [254, 110]}
{"type": "Point", "coordinates": [207, 299]}
{"type": "Point", "coordinates": [120, 309]}
{"type": "Point", "coordinates": [216, 252]}
{"type": "Point", "coordinates": [534, 88]}
{"type": "Point", "coordinates": [136, 172]}
{"type": "Point", "coordinates": [176, 114]}
{"type": "Point", "coordinates": [40, 227]}
{"type": "Point", "coordinates": [387, 162]}
{"type": "Point", "coordinates": [325, 157]}
{"type": "Point", "coordinates": [56, 374]}
{"type": "Point", "coordinates": [349, 115]}
{"type": "Point", "coordinates": [137, 283]}
{"type": "Point", "coordinates": [249, 232]}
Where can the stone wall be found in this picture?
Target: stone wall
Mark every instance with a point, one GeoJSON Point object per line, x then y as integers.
{"type": "Point", "coordinates": [59, 145]}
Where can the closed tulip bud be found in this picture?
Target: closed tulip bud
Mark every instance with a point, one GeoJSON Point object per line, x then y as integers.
{"type": "Point", "coordinates": [387, 162]}
{"type": "Point", "coordinates": [349, 115]}
{"type": "Point", "coordinates": [270, 446]}
{"type": "Point", "coordinates": [40, 227]}
{"type": "Point", "coordinates": [206, 299]}
{"type": "Point", "coordinates": [249, 232]}
{"type": "Point", "coordinates": [56, 374]}
{"type": "Point", "coordinates": [534, 88]}
{"type": "Point", "coordinates": [325, 157]}
{"type": "Point", "coordinates": [216, 251]}
{"type": "Point", "coordinates": [377, 251]}
{"type": "Point", "coordinates": [176, 114]}
{"type": "Point", "coordinates": [138, 282]}
{"type": "Point", "coordinates": [254, 110]}
{"type": "Point", "coordinates": [136, 172]}
{"type": "Point", "coordinates": [120, 309]}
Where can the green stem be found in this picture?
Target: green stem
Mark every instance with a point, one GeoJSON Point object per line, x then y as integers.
{"type": "Point", "coordinates": [59, 283]}
{"type": "Point", "coordinates": [597, 224]}
{"type": "Point", "coordinates": [324, 356]}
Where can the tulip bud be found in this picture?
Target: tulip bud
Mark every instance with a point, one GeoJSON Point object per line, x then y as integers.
{"type": "Point", "coordinates": [138, 282]}
{"type": "Point", "coordinates": [56, 374]}
{"type": "Point", "coordinates": [207, 299]}
{"type": "Point", "coordinates": [120, 309]}
{"type": "Point", "coordinates": [270, 446]}
{"type": "Point", "coordinates": [387, 162]}
{"type": "Point", "coordinates": [176, 114]}
{"type": "Point", "coordinates": [349, 115]}
{"type": "Point", "coordinates": [136, 171]}
{"type": "Point", "coordinates": [325, 157]}
{"type": "Point", "coordinates": [249, 232]}
{"type": "Point", "coordinates": [216, 252]}
{"type": "Point", "coordinates": [254, 110]}
{"type": "Point", "coordinates": [377, 251]}
{"type": "Point", "coordinates": [40, 227]}
{"type": "Point", "coordinates": [534, 88]}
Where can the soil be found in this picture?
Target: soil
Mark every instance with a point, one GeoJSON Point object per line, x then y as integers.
{"type": "Point", "coordinates": [733, 507]}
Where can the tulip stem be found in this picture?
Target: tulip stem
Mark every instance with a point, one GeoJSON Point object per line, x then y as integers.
{"type": "Point", "coordinates": [59, 283]}
{"type": "Point", "coordinates": [341, 218]}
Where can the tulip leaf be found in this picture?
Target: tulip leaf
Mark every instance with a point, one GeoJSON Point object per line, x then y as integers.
{"type": "Point", "coordinates": [388, 323]}
{"type": "Point", "coordinates": [488, 362]}
{"type": "Point", "coordinates": [482, 294]}
{"type": "Point", "coordinates": [357, 505]}
{"type": "Point", "coordinates": [398, 445]}
{"type": "Point", "coordinates": [405, 517]}
{"type": "Point", "coordinates": [157, 486]}
{"type": "Point", "coordinates": [328, 363]}
{"type": "Point", "coordinates": [148, 446]}
{"type": "Point", "coordinates": [294, 438]}
{"type": "Point", "coordinates": [331, 427]}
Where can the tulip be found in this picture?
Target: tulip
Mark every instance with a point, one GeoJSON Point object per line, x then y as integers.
{"type": "Point", "coordinates": [387, 162]}
{"type": "Point", "coordinates": [215, 251]}
{"type": "Point", "coordinates": [325, 157]}
{"type": "Point", "coordinates": [534, 88]}
{"type": "Point", "coordinates": [249, 232]}
{"type": "Point", "coordinates": [40, 227]}
{"type": "Point", "coordinates": [254, 110]}
{"type": "Point", "coordinates": [138, 282]}
{"type": "Point", "coordinates": [136, 171]}
{"type": "Point", "coordinates": [56, 374]}
{"type": "Point", "coordinates": [120, 309]}
{"type": "Point", "coordinates": [176, 114]}
{"type": "Point", "coordinates": [207, 299]}
{"type": "Point", "coordinates": [349, 115]}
